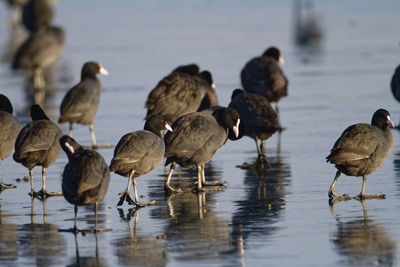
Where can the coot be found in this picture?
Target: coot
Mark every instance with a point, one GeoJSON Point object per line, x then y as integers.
{"type": "Point", "coordinates": [256, 113]}
{"type": "Point", "coordinates": [262, 75]}
{"type": "Point", "coordinates": [138, 153]}
{"type": "Point", "coordinates": [37, 144]}
{"type": "Point", "coordinates": [195, 139]}
{"type": "Point", "coordinates": [41, 49]}
{"type": "Point", "coordinates": [37, 13]}
{"type": "Point", "coordinates": [80, 103]}
{"type": "Point", "coordinates": [9, 129]}
{"type": "Point", "coordinates": [180, 93]}
{"type": "Point", "coordinates": [361, 149]}
{"type": "Point", "coordinates": [85, 178]}
{"type": "Point", "coordinates": [395, 84]}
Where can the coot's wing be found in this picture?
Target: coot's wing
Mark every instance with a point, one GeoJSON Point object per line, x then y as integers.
{"type": "Point", "coordinates": [357, 142]}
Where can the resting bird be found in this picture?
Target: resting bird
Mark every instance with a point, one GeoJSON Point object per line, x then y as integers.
{"type": "Point", "coordinates": [138, 153]}
{"type": "Point", "coordinates": [257, 115]}
{"type": "Point", "coordinates": [180, 93]}
{"type": "Point", "coordinates": [37, 144]}
{"type": "Point", "coordinates": [262, 75]}
{"type": "Point", "coordinates": [361, 149]}
{"type": "Point", "coordinates": [81, 102]}
{"type": "Point", "coordinates": [40, 50]}
{"type": "Point", "coordinates": [85, 178]}
{"type": "Point", "coordinates": [9, 130]}
{"type": "Point", "coordinates": [195, 139]}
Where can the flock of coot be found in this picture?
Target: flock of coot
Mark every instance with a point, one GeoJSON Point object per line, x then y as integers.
{"type": "Point", "coordinates": [184, 123]}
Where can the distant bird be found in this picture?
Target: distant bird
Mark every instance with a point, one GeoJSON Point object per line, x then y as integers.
{"type": "Point", "coordinates": [395, 84]}
{"type": "Point", "coordinates": [195, 139]}
{"type": "Point", "coordinates": [40, 50]}
{"type": "Point", "coordinates": [37, 13]}
{"type": "Point", "coordinates": [361, 149]}
{"type": "Point", "coordinates": [180, 93]}
{"type": "Point", "coordinates": [85, 178]}
{"type": "Point", "coordinates": [257, 115]}
{"type": "Point", "coordinates": [262, 75]}
{"type": "Point", "coordinates": [307, 27]}
{"type": "Point", "coordinates": [37, 144]}
{"type": "Point", "coordinates": [81, 102]}
{"type": "Point", "coordinates": [138, 153]}
{"type": "Point", "coordinates": [17, 18]}
{"type": "Point", "coordinates": [9, 130]}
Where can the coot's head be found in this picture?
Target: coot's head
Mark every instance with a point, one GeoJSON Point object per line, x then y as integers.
{"type": "Point", "coordinates": [156, 124]}
{"type": "Point", "coordinates": [69, 145]}
{"type": "Point", "coordinates": [382, 119]}
{"type": "Point", "coordinates": [191, 69]}
{"type": "Point", "coordinates": [5, 104]}
{"type": "Point", "coordinates": [236, 92]}
{"type": "Point", "coordinates": [229, 119]}
{"type": "Point", "coordinates": [206, 75]}
{"type": "Point", "coordinates": [91, 69]}
{"type": "Point", "coordinates": [274, 53]}
{"type": "Point", "coordinates": [37, 113]}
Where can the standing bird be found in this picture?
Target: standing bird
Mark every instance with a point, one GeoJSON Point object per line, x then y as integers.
{"type": "Point", "coordinates": [9, 129]}
{"type": "Point", "coordinates": [258, 117]}
{"type": "Point", "coordinates": [180, 93]}
{"type": "Point", "coordinates": [81, 102]}
{"type": "Point", "coordinates": [361, 149]}
{"type": "Point", "coordinates": [85, 178]}
{"type": "Point", "coordinates": [38, 145]}
{"type": "Point", "coordinates": [41, 49]}
{"type": "Point", "coordinates": [138, 153]}
{"type": "Point", "coordinates": [195, 139]}
{"type": "Point", "coordinates": [262, 75]}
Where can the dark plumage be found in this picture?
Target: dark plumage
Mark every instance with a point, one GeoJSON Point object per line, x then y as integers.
{"type": "Point", "coordinates": [180, 93]}
{"type": "Point", "coordinates": [85, 178]}
{"type": "Point", "coordinates": [195, 139]}
{"type": "Point", "coordinates": [81, 102]}
{"type": "Point", "coordinates": [262, 75]}
{"type": "Point", "coordinates": [395, 83]}
{"type": "Point", "coordinates": [41, 49]}
{"type": "Point", "coordinates": [36, 14]}
{"type": "Point", "coordinates": [307, 27]}
{"type": "Point", "coordinates": [9, 129]}
{"type": "Point", "coordinates": [191, 69]}
{"type": "Point", "coordinates": [138, 153]}
{"type": "Point", "coordinates": [257, 115]}
{"type": "Point", "coordinates": [361, 149]}
{"type": "Point", "coordinates": [37, 144]}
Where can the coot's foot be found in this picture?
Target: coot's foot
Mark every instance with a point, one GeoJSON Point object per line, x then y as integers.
{"type": "Point", "coordinates": [332, 195]}
{"type": "Point", "coordinates": [44, 194]}
{"type": "Point", "coordinates": [6, 186]}
{"type": "Point", "coordinates": [361, 197]}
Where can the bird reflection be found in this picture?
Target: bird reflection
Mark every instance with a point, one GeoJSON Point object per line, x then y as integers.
{"type": "Point", "coordinates": [256, 215]}
{"type": "Point", "coordinates": [363, 241]}
{"type": "Point", "coordinates": [396, 163]}
{"type": "Point", "coordinates": [193, 231]}
{"type": "Point", "coordinates": [87, 260]}
{"type": "Point", "coordinates": [8, 241]}
{"type": "Point", "coordinates": [136, 249]}
{"type": "Point", "coordinates": [42, 242]}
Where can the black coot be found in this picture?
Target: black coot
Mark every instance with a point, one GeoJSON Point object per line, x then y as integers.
{"type": "Point", "coordinates": [81, 102]}
{"type": "Point", "coordinates": [138, 153]}
{"type": "Point", "coordinates": [395, 84]}
{"type": "Point", "coordinates": [192, 69]}
{"type": "Point", "coordinates": [262, 75]}
{"type": "Point", "coordinates": [85, 178]}
{"type": "Point", "coordinates": [37, 13]}
{"type": "Point", "coordinates": [195, 139]}
{"type": "Point", "coordinates": [41, 49]}
{"type": "Point", "coordinates": [37, 144]}
{"type": "Point", "coordinates": [180, 93]}
{"type": "Point", "coordinates": [257, 115]}
{"type": "Point", "coordinates": [9, 130]}
{"type": "Point", "coordinates": [361, 149]}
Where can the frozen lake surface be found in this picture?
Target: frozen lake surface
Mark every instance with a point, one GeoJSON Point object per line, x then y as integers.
{"type": "Point", "coordinates": [277, 217]}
